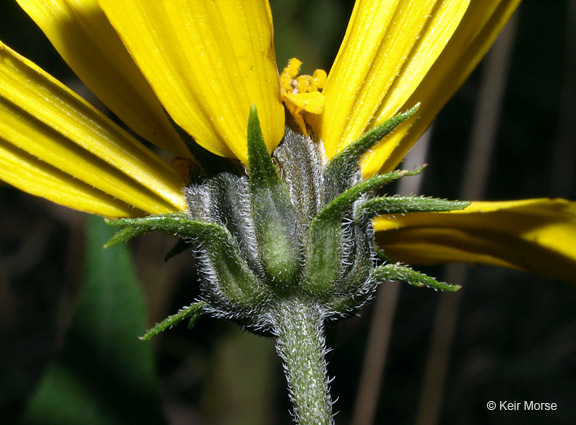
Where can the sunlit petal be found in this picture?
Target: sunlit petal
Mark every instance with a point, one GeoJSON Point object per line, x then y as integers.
{"type": "Point", "coordinates": [388, 48]}
{"type": "Point", "coordinates": [85, 39]}
{"type": "Point", "coordinates": [208, 62]}
{"type": "Point", "coordinates": [536, 235]}
{"type": "Point", "coordinates": [41, 116]}
{"type": "Point", "coordinates": [477, 31]}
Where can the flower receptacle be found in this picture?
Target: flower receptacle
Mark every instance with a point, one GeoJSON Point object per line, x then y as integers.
{"type": "Point", "coordinates": [278, 229]}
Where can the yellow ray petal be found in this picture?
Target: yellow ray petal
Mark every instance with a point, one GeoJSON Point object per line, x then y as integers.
{"type": "Point", "coordinates": [478, 29]}
{"type": "Point", "coordinates": [208, 62]}
{"type": "Point", "coordinates": [27, 173]}
{"type": "Point", "coordinates": [41, 116]}
{"type": "Point", "coordinates": [388, 48]}
{"type": "Point", "coordinates": [309, 102]}
{"type": "Point", "coordinates": [537, 235]}
{"type": "Point", "coordinates": [85, 39]}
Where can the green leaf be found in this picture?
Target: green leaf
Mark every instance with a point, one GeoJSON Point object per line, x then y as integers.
{"type": "Point", "coordinates": [231, 273]}
{"type": "Point", "coordinates": [192, 313]}
{"type": "Point", "coordinates": [262, 170]}
{"type": "Point", "coordinates": [341, 169]}
{"type": "Point", "coordinates": [406, 274]}
{"type": "Point", "coordinates": [176, 224]}
{"type": "Point", "coordinates": [274, 216]}
{"type": "Point", "coordinates": [406, 204]}
{"type": "Point", "coordinates": [104, 374]}
{"type": "Point", "coordinates": [324, 239]}
{"type": "Point", "coordinates": [336, 209]}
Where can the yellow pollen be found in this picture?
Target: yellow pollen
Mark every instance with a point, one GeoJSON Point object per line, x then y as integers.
{"type": "Point", "coordinates": [291, 82]}
{"type": "Point", "coordinates": [293, 67]}
{"type": "Point", "coordinates": [302, 93]}
{"type": "Point", "coordinates": [319, 78]}
{"type": "Point", "coordinates": [286, 82]}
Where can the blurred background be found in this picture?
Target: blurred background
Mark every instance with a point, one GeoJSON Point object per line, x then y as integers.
{"type": "Point", "coordinates": [505, 336]}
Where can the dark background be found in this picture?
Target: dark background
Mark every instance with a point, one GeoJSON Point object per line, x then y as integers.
{"type": "Point", "coordinates": [515, 335]}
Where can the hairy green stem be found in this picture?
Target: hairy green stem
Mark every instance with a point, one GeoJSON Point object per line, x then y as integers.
{"type": "Point", "coordinates": [298, 326]}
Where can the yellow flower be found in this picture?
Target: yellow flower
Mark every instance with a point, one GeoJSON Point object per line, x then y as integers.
{"type": "Point", "coordinates": [203, 64]}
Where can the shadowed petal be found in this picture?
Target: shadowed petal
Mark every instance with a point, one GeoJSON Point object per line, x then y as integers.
{"type": "Point", "coordinates": [81, 33]}
{"type": "Point", "coordinates": [27, 173]}
{"type": "Point", "coordinates": [537, 235]}
{"type": "Point", "coordinates": [208, 62]}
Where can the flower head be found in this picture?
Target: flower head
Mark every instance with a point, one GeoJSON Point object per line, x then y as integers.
{"type": "Point", "coordinates": [199, 66]}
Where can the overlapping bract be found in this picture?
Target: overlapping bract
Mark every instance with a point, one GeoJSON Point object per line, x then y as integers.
{"type": "Point", "coordinates": [203, 64]}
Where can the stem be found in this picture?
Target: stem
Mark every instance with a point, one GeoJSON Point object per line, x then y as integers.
{"type": "Point", "coordinates": [298, 326]}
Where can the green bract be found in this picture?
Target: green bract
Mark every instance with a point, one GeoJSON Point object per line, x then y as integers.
{"type": "Point", "coordinates": [289, 226]}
